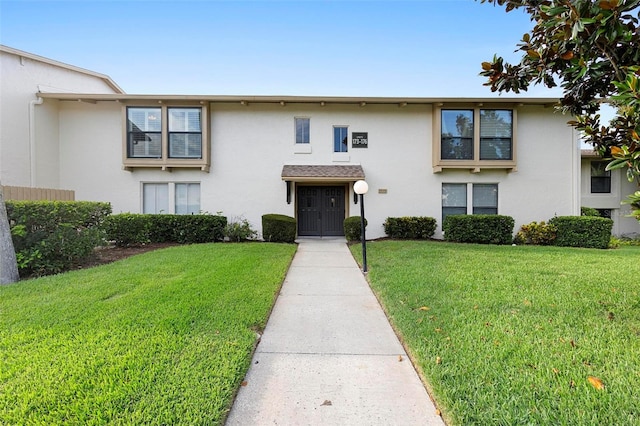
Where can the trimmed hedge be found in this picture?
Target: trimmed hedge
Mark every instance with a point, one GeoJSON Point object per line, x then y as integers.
{"type": "Point", "coordinates": [50, 237]}
{"type": "Point", "coordinates": [130, 229]}
{"type": "Point", "coordinates": [582, 231]}
{"type": "Point", "coordinates": [478, 228]}
{"type": "Point", "coordinates": [353, 229]}
{"type": "Point", "coordinates": [278, 228]}
{"type": "Point", "coordinates": [410, 227]}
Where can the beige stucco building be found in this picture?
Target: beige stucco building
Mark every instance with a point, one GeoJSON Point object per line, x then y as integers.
{"type": "Point", "coordinates": [244, 156]}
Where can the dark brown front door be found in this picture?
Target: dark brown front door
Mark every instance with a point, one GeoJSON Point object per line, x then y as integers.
{"type": "Point", "coordinates": [320, 210]}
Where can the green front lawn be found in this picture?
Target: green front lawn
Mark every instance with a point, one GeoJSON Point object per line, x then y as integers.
{"type": "Point", "coordinates": [517, 335]}
{"type": "Point", "coordinates": [161, 338]}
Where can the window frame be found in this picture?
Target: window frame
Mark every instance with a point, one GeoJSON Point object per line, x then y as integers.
{"type": "Point", "coordinates": [470, 199]}
{"type": "Point", "coordinates": [304, 141]}
{"type": "Point", "coordinates": [605, 178]}
{"type": "Point", "coordinates": [475, 164]}
{"type": "Point", "coordinates": [343, 142]}
{"type": "Point", "coordinates": [165, 161]}
{"type": "Point", "coordinates": [187, 132]}
{"type": "Point", "coordinates": [171, 196]}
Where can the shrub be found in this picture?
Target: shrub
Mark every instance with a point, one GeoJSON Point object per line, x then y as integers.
{"type": "Point", "coordinates": [410, 227]}
{"type": "Point", "coordinates": [278, 228]}
{"type": "Point", "coordinates": [482, 229]}
{"type": "Point", "coordinates": [540, 234]}
{"type": "Point", "coordinates": [239, 230]}
{"type": "Point", "coordinates": [352, 228]}
{"type": "Point", "coordinates": [588, 211]}
{"type": "Point", "coordinates": [53, 236]}
{"type": "Point", "coordinates": [127, 229]}
{"type": "Point", "coordinates": [132, 229]}
{"type": "Point", "coordinates": [582, 231]}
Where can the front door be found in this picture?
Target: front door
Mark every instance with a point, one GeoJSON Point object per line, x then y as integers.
{"type": "Point", "coordinates": [320, 210]}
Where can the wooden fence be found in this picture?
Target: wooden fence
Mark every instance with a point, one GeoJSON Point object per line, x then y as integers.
{"type": "Point", "coordinates": [18, 193]}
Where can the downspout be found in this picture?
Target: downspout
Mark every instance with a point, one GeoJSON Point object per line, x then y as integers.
{"type": "Point", "coordinates": [577, 172]}
{"type": "Point", "coordinates": [32, 138]}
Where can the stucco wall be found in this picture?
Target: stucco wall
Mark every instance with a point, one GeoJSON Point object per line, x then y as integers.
{"type": "Point", "coordinates": [21, 79]}
{"type": "Point", "coordinates": [250, 144]}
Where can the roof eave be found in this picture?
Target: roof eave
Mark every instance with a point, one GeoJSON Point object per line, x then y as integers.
{"type": "Point", "coordinates": [283, 100]}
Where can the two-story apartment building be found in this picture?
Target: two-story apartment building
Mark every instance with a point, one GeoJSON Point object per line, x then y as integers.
{"type": "Point", "coordinates": [245, 156]}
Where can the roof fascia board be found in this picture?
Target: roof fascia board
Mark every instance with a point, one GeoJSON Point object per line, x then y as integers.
{"type": "Point", "coordinates": [247, 100]}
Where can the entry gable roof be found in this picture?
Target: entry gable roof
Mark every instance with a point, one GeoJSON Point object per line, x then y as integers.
{"type": "Point", "coordinates": [305, 173]}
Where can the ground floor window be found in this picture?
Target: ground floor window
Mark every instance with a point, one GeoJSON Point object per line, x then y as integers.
{"type": "Point", "coordinates": [171, 198]}
{"type": "Point", "coordinates": [483, 197]}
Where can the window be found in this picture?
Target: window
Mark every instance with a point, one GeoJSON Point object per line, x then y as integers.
{"type": "Point", "coordinates": [605, 213]}
{"type": "Point", "coordinates": [600, 178]}
{"type": "Point", "coordinates": [474, 138]}
{"type": "Point", "coordinates": [185, 198]}
{"type": "Point", "coordinates": [166, 136]}
{"type": "Point", "coordinates": [496, 130]}
{"type": "Point", "coordinates": [457, 135]}
{"type": "Point", "coordinates": [302, 130]}
{"type": "Point", "coordinates": [340, 139]}
{"type": "Point", "coordinates": [454, 199]}
{"type": "Point", "coordinates": [484, 197]}
{"type": "Point", "coordinates": [144, 132]}
{"type": "Point", "coordinates": [185, 133]}
{"type": "Point", "coordinates": [155, 198]}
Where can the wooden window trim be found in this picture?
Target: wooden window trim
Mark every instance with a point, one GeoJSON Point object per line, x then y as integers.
{"type": "Point", "coordinates": [476, 164]}
{"type": "Point", "coordinates": [165, 162]}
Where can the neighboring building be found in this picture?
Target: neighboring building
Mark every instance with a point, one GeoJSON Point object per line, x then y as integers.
{"type": "Point", "coordinates": [29, 129]}
{"type": "Point", "coordinates": [604, 190]}
{"type": "Point", "coordinates": [245, 156]}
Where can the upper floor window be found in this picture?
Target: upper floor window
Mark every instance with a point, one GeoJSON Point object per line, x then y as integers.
{"type": "Point", "coordinates": [185, 133]}
{"type": "Point", "coordinates": [340, 139]}
{"type": "Point", "coordinates": [165, 137]}
{"type": "Point", "coordinates": [457, 134]}
{"type": "Point", "coordinates": [302, 130]}
{"type": "Point", "coordinates": [496, 134]}
{"type": "Point", "coordinates": [600, 178]}
{"type": "Point", "coordinates": [144, 132]}
{"type": "Point", "coordinates": [473, 138]}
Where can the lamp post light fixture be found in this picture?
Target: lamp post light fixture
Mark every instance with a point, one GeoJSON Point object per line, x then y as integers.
{"type": "Point", "coordinates": [361, 187]}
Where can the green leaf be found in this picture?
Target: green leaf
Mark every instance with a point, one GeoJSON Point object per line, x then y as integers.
{"type": "Point", "coordinates": [616, 164]}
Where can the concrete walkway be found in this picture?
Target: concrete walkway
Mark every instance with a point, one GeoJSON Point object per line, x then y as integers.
{"type": "Point", "coordinates": [328, 355]}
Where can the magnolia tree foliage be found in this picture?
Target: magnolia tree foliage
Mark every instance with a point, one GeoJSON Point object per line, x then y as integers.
{"type": "Point", "coordinates": [592, 50]}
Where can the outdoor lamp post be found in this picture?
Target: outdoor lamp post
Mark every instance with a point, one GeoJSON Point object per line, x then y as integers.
{"type": "Point", "coordinates": [361, 187]}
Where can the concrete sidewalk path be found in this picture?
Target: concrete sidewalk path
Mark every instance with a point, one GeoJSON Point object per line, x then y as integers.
{"type": "Point", "coordinates": [328, 355]}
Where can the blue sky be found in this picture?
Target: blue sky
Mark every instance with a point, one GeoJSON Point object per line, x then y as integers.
{"type": "Point", "coordinates": [331, 48]}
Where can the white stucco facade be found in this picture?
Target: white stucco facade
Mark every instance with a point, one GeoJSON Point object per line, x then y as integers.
{"type": "Point", "coordinates": [251, 143]}
{"type": "Point", "coordinates": [74, 136]}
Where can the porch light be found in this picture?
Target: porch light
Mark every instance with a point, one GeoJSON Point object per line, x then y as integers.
{"type": "Point", "coordinates": [361, 187]}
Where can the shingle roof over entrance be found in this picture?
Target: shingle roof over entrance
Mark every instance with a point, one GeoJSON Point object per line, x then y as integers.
{"type": "Point", "coordinates": [344, 173]}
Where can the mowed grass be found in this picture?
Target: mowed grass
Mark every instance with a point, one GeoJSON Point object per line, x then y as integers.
{"type": "Point", "coordinates": [517, 335]}
{"type": "Point", "coordinates": [161, 338]}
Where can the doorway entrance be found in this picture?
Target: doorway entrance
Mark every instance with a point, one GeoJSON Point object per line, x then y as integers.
{"type": "Point", "coordinates": [320, 210]}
